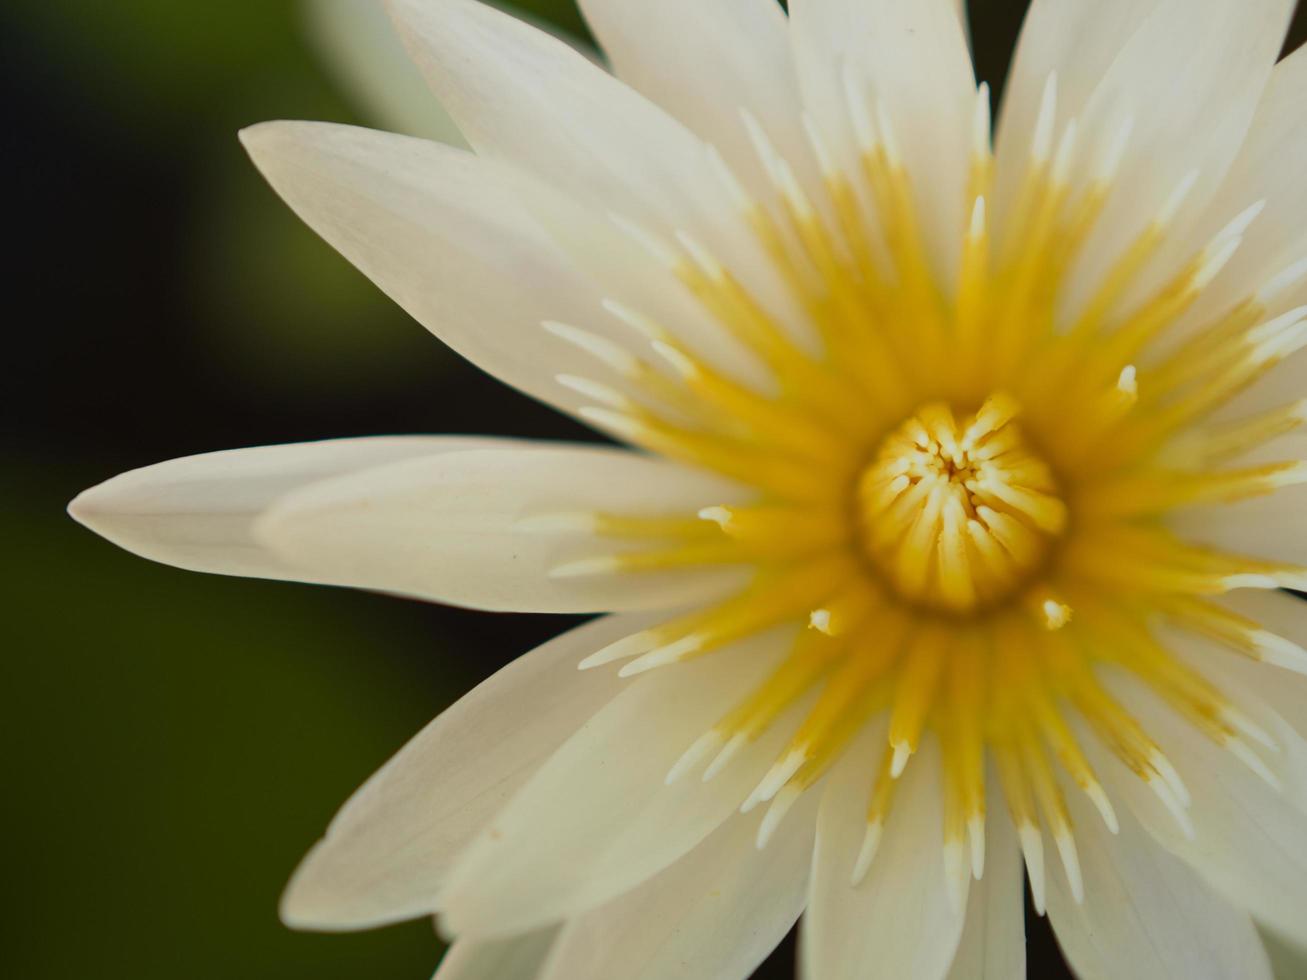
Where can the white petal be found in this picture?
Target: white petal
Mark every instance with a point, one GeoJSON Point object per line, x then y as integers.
{"type": "Point", "coordinates": [1189, 73]}
{"type": "Point", "coordinates": [460, 243]}
{"type": "Point", "coordinates": [1283, 384]}
{"type": "Point", "coordinates": [1271, 698]}
{"type": "Point", "coordinates": [581, 151]}
{"type": "Point", "coordinates": [526, 98]}
{"type": "Point", "coordinates": [518, 957]}
{"type": "Point", "coordinates": [360, 47]}
{"type": "Point", "coordinates": [357, 40]}
{"type": "Point", "coordinates": [521, 95]}
{"type": "Point", "coordinates": [198, 512]}
{"type": "Point", "coordinates": [704, 63]}
{"type": "Point", "coordinates": [898, 922]}
{"type": "Point", "coordinates": [435, 228]}
{"type": "Point", "coordinates": [386, 854]}
{"type": "Point", "coordinates": [713, 915]}
{"type": "Point", "coordinates": [457, 528]}
{"type": "Point", "coordinates": [914, 58]}
{"type": "Point", "coordinates": [598, 818]}
{"type": "Point", "coordinates": [1282, 613]}
{"type": "Point", "coordinates": [1247, 838]}
{"type": "Point", "coordinates": [1146, 915]}
{"type": "Point", "coordinates": [1269, 526]}
{"type": "Point", "coordinates": [630, 277]}
{"type": "Point", "coordinates": [1269, 167]}
{"type": "Point", "coordinates": [993, 945]}
{"type": "Point", "coordinates": [1076, 39]}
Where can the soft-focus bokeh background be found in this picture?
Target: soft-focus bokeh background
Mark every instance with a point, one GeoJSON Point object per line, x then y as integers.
{"type": "Point", "coordinates": [173, 742]}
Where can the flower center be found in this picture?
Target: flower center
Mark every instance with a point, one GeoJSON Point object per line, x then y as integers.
{"type": "Point", "coordinates": [957, 514]}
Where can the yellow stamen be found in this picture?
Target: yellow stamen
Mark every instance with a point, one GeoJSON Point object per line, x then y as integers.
{"type": "Point", "coordinates": [957, 494]}
{"type": "Point", "coordinates": [938, 489]}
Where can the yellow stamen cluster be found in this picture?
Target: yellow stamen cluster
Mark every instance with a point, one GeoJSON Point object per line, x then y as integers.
{"type": "Point", "coordinates": [957, 515]}
{"type": "Point", "coordinates": [960, 496]}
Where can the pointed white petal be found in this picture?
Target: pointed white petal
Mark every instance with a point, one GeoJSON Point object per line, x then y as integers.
{"type": "Point", "coordinates": [993, 945]}
{"type": "Point", "coordinates": [198, 512]}
{"type": "Point", "coordinates": [598, 819]}
{"type": "Point", "coordinates": [913, 59]}
{"type": "Point", "coordinates": [1247, 840]}
{"type": "Point", "coordinates": [1145, 913]}
{"type": "Point", "coordinates": [523, 96]}
{"type": "Point", "coordinates": [357, 40]}
{"type": "Point", "coordinates": [386, 854]}
{"type": "Point", "coordinates": [1188, 73]}
{"type": "Point", "coordinates": [457, 528]}
{"type": "Point", "coordinates": [442, 232]}
{"type": "Point", "coordinates": [1286, 381]}
{"type": "Point", "coordinates": [359, 45]}
{"type": "Point", "coordinates": [527, 99]}
{"type": "Point", "coordinates": [1285, 617]}
{"type": "Point", "coordinates": [898, 922]}
{"type": "Point", "coordinates": [1269, 526]}
{"type": "Point", "coordinates": [436, 229]}
{"type": "Point", "coordinates": [1076, 41]}
{"type": "Point", "coordinates": [713, 915]}
{"type": "Point", "coordinates": [1271, 704]}
{"type": "Point", "coordinates": [703, 63]}
{"type": "Point", "coordinates": [1269, 167]}
{"type": "Point", "coordinates": [519, 957]}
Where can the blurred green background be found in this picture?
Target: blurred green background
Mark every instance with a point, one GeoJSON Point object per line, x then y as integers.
{"type": "Point", "coordinates": [174, 742]}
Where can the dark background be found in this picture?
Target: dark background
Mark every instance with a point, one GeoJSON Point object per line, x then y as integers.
{"type": "Point", "coordinates": [172, 742]}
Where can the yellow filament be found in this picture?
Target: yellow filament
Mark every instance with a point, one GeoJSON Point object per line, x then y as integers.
{"type": "Point", "coordinates": [955, 495]}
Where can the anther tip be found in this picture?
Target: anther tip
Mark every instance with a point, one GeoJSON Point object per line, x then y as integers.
{"type": "Point", "coordinates": [716, 515]}
{"type": "Point", "coordinates": [1056, 614]}
{"type": "Point", "coordinates": [902, 753]}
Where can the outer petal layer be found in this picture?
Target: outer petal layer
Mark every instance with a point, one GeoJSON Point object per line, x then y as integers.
{"type": "Point", "coordinates": [597, 819]}
{"type": "Point", "coordinates": [459, 528]}
{"type": "Point", "coordinates": [527, 99]}
{"type": "Point", "coordinates": [1268, 526]}
{"type": "Point", "coordinates": [1248, 838]}
{"type": "Point", "coordinates": [705, 63]}
{"type": "Point", "coordinates": [1269, 167]}
{"type": "Point", "coordinates": [912, 58]}
{"type": "Point", "coordinates": [1146, 915]}
{"type": "Point", "coordinates": [1189, 75]}
{"type": "Point", "coordinates": [898, 922]}
{"type": "Point", "coordinates": [434, 228]}
{"type": "Point", "coordinates": [1274, 699]}
{"type": "Point", "coordinates": [993, 945]}
{"type": "Point", "coordinates": [198, 512]}
{"type": "Point", "coordinates": [713, 915]}
{"type": "Point", "coordinates": [518, 957]}
{"type": "Point", "coordinates": [360, 48]}
{"type": "Point", "coordinates": [386, 854]}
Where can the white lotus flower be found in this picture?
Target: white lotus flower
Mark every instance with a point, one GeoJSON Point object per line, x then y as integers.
{"type": "Point", "coordinates": [969, 481]}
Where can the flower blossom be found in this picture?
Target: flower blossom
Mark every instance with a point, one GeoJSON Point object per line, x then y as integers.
{"type": "Point", "coordinates": [961, 486]}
